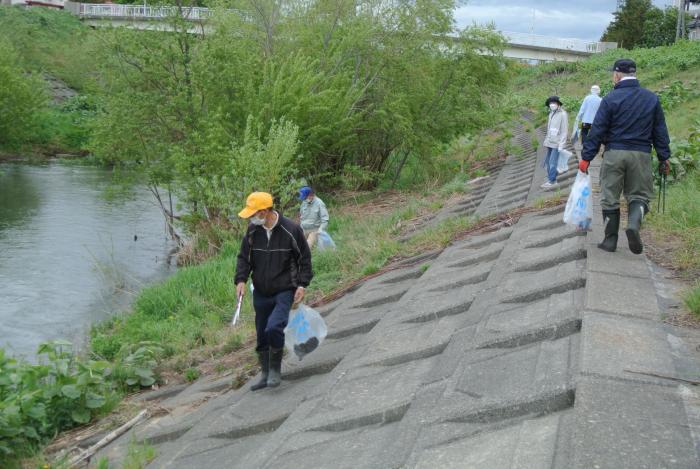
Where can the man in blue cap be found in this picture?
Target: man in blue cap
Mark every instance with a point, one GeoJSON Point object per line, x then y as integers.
{"type": "Point", "coordinates": [313, 215]}
{"type": "Point", "coordinates": [629, 122]}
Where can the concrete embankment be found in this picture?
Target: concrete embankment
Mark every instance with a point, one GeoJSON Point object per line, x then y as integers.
{"type": "Point", "coordinates": [524, 347]}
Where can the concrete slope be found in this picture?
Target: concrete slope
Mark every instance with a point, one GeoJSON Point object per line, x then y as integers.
{"type": "Point", "coordinates": [525, 347]}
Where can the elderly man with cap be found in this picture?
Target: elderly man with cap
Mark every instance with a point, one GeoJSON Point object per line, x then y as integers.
{"type": "Point", "coordinates": [275, 252]}
{"type": "Point", "coordinates": [629, 122]}
{"type": "Point", "coordinates": [589, 108]}
{"type": "Point", "coordinates": [313, 214]}
{"type": "Point", "coordinates": [555, 139]}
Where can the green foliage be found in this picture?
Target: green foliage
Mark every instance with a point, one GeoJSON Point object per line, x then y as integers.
{"type": "Point", "coordinates": [50, 41]}
{"type": "Point", "coordinates": [327, 92]}
{"type": "Point", "coordinates": [692, 299]}
{"type": "Point", "coordinates": [21, 98]}
{"type": "Point", "coordinates": [36, 401]}
{"type": "Point", "coordinates": [627, 26]}
{"type": "Point", "coordinates": [660, 27]}
{"type": "Point", "coordinates": [191, 374]}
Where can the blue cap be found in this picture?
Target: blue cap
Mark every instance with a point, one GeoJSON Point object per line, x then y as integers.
{"type": "Point", "coordinates": [304, 192]}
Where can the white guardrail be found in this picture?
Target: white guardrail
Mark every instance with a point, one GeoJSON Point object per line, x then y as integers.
{"type": "Point", "coordinates": [549, 42]}
{"type": "Point", "coordinates": [111, 10]}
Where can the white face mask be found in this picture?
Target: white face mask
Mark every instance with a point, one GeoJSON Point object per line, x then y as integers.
{"type": "Point", "coordinates": [257, 221]}
{"type": "Point", "coordinates": [553, 106]}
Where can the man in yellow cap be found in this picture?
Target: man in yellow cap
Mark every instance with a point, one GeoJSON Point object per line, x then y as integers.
{"type": "Point", "coordinates": [274, 250]}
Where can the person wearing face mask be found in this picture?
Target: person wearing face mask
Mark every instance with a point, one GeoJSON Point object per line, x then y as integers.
{"type": "Point", "coordinates": [629, 122]}
{"type": "Point", "coordinates": [275, 253]}
{"type": "Point", "coordinates": [313, 215]}
{"type": "Point", "coordinates": [589, 108]}
{"type": "Point", "coordinates": [554, 141]}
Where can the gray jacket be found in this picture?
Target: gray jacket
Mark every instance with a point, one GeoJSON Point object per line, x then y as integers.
{"type": "Point", "coordinates": [557, 129]}
{"type": "Point", "coordinates": [313, 215]}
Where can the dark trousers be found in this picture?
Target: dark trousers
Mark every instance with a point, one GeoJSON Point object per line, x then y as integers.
{"type": "Point", "coordinates": [271, 316]}
{"type": "Point", "coordinates": [585, 129]}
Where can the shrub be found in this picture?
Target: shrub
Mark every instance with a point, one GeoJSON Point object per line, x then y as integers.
{"type": "Point", "coordinates": [39, 400]}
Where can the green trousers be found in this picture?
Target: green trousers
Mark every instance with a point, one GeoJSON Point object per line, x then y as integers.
{"type": "Point", "coordinates": [628, 171]}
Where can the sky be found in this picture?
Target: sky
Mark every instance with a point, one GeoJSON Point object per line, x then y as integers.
{"type": "Point", "coordinates": [561, 18]}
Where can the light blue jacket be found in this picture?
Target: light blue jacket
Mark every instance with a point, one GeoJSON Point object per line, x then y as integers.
{"type": "Point", "coordinates": [313, 215]}
{"type": "Point", "coordinates": [589, 108]}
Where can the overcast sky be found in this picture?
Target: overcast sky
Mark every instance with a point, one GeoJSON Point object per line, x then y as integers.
{"type": "Point", "coordinates": [561, 18]}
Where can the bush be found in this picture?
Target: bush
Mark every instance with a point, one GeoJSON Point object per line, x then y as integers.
{"type": "Point", "coordinates": [22, 96]}
{"type": "Point", "coordinates": [37, 401]}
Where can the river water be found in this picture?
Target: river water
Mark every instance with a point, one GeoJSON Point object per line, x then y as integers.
{"type": "Point", "coordinates": [70, 254]}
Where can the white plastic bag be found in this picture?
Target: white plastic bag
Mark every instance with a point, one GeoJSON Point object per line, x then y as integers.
{"type": "Point", "coordinates": [325, 241]}
{"type": "Point", "coordinates": [579, 210]}
{"type": "Point", "coordinates": [305, 331]}
{"type": "Point", "coordinates": [563, 162]}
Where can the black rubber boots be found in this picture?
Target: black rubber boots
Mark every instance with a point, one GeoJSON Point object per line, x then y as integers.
{"type": "Point", "coordinates": [275, 376]}
{"type": "Point", "coordinates": [611, 219]}
{"type": "Point", "coordinates": [636, 212]}
{"type": "Point", "coordinates": [271, 366]}
{"type": "Point", "coordinates": [264, 359]}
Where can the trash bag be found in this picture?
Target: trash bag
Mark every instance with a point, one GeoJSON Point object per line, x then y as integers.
{"type": "Point", "coordinates": [305, 331]}
{"type": "Point", "coordinates": [579, 210]}
{"type": "Point", "coordinates": [563, 162]}
{"type": "Point", "coordinates": [325, 241]}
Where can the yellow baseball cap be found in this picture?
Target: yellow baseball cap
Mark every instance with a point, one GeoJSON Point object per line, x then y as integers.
{"type": "Point", "coordinates": [256, 201]}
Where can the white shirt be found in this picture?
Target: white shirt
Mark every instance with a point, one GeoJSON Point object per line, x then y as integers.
{"type": "Point", "coordinates": [268, 231]}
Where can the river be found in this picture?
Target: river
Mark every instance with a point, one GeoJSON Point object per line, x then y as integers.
{"type": "Point", "coordinates": [71, 254]}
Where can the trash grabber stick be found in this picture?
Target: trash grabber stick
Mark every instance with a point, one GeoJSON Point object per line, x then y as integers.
{"type": "Point", "coordinates": [664, 193]}
{"type": "Point", "coordinates": [238, 311]}
{"type": "Point", "coordinates": [658, 203]}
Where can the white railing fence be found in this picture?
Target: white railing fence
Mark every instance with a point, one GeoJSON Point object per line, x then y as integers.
{"type": "Point", "coordinates": [95, 10]}
{"type": "Point", "coordinates": [548, 42]}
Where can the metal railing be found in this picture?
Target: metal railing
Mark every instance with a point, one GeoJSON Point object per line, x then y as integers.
{"type": "Point", "coordinates": [557, 43]}
{"type": "Point", "coordinates": [96, 10]}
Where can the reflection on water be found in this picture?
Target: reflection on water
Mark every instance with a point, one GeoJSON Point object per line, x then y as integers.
{"type": "Point", "coordinates": [69, 256]}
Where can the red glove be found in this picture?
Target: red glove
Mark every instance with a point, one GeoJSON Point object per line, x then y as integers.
{"type": "Point", "coordinates": [664, 167]}
{"type": "Point", "coordinates": [583, 166]}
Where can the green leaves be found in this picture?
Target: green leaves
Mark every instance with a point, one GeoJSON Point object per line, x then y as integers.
{"type": "Point", "coordinates": [39, 400]}
{"type": "Point", "coordinates": [71, 391]}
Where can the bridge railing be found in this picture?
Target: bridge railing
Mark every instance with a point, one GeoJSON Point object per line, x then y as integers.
{"type": "Point", "coordinates": [97, 10]}
{"type": "Point", "coordinates": [548, 42]}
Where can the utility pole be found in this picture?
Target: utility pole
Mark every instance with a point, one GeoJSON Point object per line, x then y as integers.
{"type": "Point", "coordinates": [680, 23]}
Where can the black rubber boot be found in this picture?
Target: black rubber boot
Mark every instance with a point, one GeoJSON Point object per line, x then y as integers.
{"type": "Point", "coordinates": [275, 376]}
{"type": "Point", "coordinates": [611, 218]}
{"type": "Point", "coordinates": [635, 215]}
{"type": "Point", "coordinates": [264, 359]}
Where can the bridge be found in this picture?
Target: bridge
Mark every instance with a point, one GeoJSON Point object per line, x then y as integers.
{"type": "Point", "coordinates": [531, 48]}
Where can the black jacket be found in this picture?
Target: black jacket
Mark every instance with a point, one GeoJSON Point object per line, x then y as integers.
{"type": "Point", "coordinates": [629, 118]}
{"type": "Point", "coordinates": [282, 263]}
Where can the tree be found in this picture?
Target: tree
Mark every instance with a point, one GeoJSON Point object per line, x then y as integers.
{"type": "Point", "coordinates": [659, 27]}
{"type": "Point", "coordinates": [22, 96]}
{"type": "Point", "coordinates": [627, 27]}
{"type": "Point", "coordinates": [347, 83]}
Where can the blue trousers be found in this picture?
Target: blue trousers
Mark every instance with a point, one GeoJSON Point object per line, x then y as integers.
{"type": "Point", "coordinates": [550, 164]}
{"type": "Point", "coordinates": [271, 317]}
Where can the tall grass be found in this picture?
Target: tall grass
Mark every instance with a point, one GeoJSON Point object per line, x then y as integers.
{"type": "Point", "coordinates": [680, 224]}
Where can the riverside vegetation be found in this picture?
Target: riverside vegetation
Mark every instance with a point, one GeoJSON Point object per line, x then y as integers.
{"type": "Point", "coordinates": [342, 95]}
{"type": "Point", "coordinates": [357, 100]}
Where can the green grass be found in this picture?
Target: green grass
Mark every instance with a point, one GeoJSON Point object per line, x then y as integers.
{"type": "Point", "coordinates": [138, 456]}
{"type": "Point", "coordinates": [680, 224]}
{"type": "Point", "coordinates": [692, 299]}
